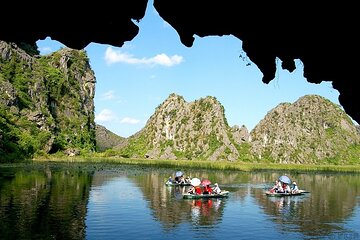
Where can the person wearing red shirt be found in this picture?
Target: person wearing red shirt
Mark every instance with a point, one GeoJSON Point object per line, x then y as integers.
{"type": "Point", "coordinates": [195, 190]}
{"type": "Point", "coordinates": [198, 190]}
{"type": "Point", "coordinates": [207, 189]}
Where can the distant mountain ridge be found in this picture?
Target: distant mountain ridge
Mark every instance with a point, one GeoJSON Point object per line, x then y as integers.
{"type": "Point", "coordinates": [105, 139]}
{"type": "Point", "coordinates": [311, 130]}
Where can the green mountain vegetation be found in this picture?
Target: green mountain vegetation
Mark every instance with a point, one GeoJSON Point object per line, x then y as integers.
{"type": "Point", "coordinates": [46, 102]}
{"type": "Point", "coordinates": [311, 130]}
{"type": "Point", "coordinates": [105, 139]}
{"type": "Point", "coordinates": [181, 130]}
{"type": "Point", "coordinates": [47, 107]}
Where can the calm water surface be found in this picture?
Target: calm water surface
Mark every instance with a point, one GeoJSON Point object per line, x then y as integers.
{"type": "Point", "coordinates": [81, 201]}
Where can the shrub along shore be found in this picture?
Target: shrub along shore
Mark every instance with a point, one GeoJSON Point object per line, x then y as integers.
{"type": "Point", "coordinates": [219, 165]}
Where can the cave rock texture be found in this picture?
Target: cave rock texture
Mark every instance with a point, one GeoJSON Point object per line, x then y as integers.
{"type": "Point", "coordinates": [323, 35]}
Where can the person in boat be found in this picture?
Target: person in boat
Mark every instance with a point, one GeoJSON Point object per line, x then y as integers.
{"type": "Point", "coordinates": [286, 188]}
{"type": "Point", "coordinates": [169, 180]}
{"type": "Point", "coordinates": [216, 189]}
{"type": "Point", "coordinates": [207, 189]}
{"type": "Point", "coordinates": [294, 188]}
{"type": "Point", "coordinates": [195, 190]}
{"type": "Point", "coordinates": [276, 187]}
{"type": "Point", "coordinates": [182, 180]}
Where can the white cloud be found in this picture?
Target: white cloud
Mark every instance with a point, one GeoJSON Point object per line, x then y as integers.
{"type": "Point", "coordinates": [45, 50]}
{"type": "Point", "coordinates": [112, 56]}
{"type": "Point", "coordinates": [109, 95]}
{"type": "Point", "coordinates": [128, 120]}
{"type": "Point", "coordinates": [106, 115]}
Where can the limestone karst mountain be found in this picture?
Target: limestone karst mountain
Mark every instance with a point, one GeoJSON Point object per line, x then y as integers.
{"type": "Point", "coordinates": [46, 102]}
{"type": "Point", "coordinates": [105, 139]}
{"type": "Point", "coordinates": [182, 130]}
{"type": "Point", "coordinates": [311, 130]}
{"type": "Point", "coordinates": [46, 106]}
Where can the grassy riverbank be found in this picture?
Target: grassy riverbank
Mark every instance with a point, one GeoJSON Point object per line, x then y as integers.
{"type": "Point", "coordinates": [193, 164]}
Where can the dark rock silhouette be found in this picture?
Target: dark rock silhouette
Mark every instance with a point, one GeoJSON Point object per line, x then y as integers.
{"type": "Point", "coordinates": [322, 36]}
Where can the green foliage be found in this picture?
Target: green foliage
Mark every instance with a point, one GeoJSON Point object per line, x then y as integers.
{"type": "Point", "coordinates": [179, 154]}
{"type": "Point", "coordinates": [43, 85]}
{"type": "Point", "coordinates": [110, 153]}
{"type": "Point", "coordinates": [184, 120]}
{"type": "Point", "coordinates": [244, 152]}
{"type": "Point", "coordinates": [168, 143]}
{"type": "Point", "coordinates": [214, 143]}
{"type": "Point", "coordinates": [204, 105]}
{"type": "Point", "coordinates": [330, 132]}
{"type": "Point", "coordinates": [350, 155]}
{"type": "Point", "coordinates": [137, 147]}
{"type": "Point", "coordinates": [188, 155]}
{"type": "Point", "coordinates": [19, 75]}
{"type": "Point", "coordinates": [12, 136]}
{"type": "Point", "coordinates": [172, 113]}
{"type": "Point", "coordinates": [353, 154]}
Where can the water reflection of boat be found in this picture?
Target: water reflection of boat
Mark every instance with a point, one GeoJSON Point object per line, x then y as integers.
{"type": "Point", "coordinates": [205, 211]}
{"type": "Point", "coordinates": [213, 195]}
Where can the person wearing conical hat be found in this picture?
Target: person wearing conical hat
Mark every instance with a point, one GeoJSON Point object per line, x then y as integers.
{"type": "Point", "coordinates": [216, 188]}
{"type": "Point", "coordinates": [294, 188]}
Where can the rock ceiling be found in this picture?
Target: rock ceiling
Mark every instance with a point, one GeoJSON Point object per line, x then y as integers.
{"type": "Point", "coordinates": [322, 36]}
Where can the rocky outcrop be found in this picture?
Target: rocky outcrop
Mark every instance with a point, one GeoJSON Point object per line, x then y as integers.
{"type": "Point", "coordinates": [311, 130]}
{"type": "Point", "coordinates": [105, 139]}
{"type": "Point", "coordinates": [182, 130]}
{"type": "Point", "coordinates": [46, 102]}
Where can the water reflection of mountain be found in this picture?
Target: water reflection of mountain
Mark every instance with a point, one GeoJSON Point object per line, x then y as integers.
{"type": "Point", "coordinates": [332, 199]}
{"type": "Point", "coordinates": [169, 207]}
{"type": "Point", "coordinates": [43, 203]}
{"type": "Point", "coordinates": [107, 172]}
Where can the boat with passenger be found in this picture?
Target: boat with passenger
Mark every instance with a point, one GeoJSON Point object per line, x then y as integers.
{"type": "Point", "coordinates": [179, 180]}
{"type": "Point", "coordinates": [283, 187]}
{"type": "Point", "coordinates": [283, 194]}
{"type": "Point", "coordinates": [222, 194]}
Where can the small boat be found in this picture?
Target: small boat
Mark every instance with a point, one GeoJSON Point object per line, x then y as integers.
{"type": "Point", "coordinates": [213, 195]}
{"type": "Point", "coordinates": [280, 194]}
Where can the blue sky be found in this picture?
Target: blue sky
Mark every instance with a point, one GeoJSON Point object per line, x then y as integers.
{"type": "Point", "coordinates": [136, 78]}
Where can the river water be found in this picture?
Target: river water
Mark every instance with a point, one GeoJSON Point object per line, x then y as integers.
{"type": "Point", "coordinates": [99, 201]}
